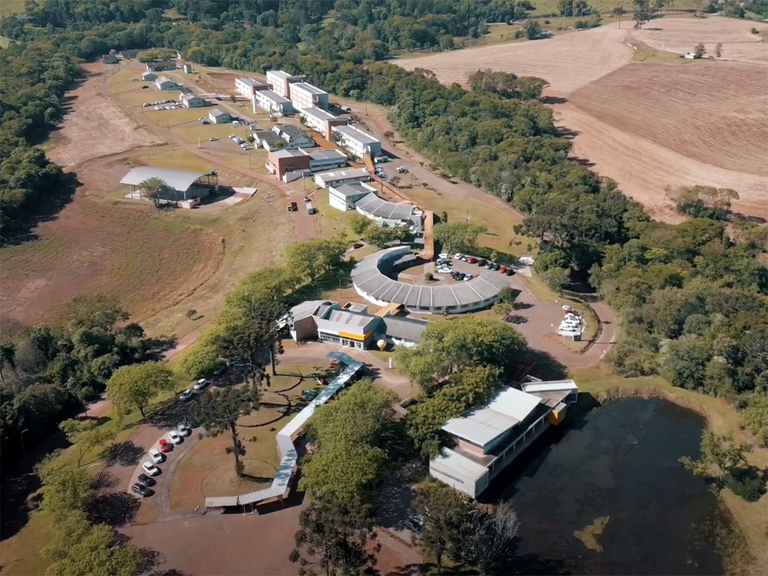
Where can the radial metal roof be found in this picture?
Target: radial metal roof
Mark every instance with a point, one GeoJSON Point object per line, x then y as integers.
{"type": "Point", "coordinates": [179, 180]}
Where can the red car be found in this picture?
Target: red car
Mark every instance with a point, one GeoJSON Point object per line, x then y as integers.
{"type": "Point", "coordinates": [357, 245]}
{"type": "Point", "coordinates": [164, 446]}
{"type": "Point", "coordinates": [502, 269]}
{"type": "Point", "coordinates": [471, 259]}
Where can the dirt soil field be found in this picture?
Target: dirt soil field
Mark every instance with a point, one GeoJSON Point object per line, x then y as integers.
{"type": "Point", "coordinates": [651, 127]}
{"type": "Point", "coordinates": [95, 127]}
{"type": "Point", "coordinates": [682, 34]}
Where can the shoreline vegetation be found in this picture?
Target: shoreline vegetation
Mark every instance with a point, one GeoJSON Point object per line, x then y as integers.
{"type": "Point", "coordinates": [744, 551]}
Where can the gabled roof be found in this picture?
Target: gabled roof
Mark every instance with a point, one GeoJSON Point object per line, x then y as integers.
{"type": "Point", "coordinates": [481, 426]}
{"type": "Point", "coordinates": [217, 112]}
{"type": "Point", "coordinates": [355, 134]}
{"type": "Point", "coordinates": [177, 179]}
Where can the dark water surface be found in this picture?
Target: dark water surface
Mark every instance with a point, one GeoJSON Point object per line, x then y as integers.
{"type": "Point", "coordinates": [618, 463]}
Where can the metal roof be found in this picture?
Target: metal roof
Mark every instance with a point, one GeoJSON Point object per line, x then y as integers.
{"type": "Point", "coordinates": [456, 464]}
{"type": "Point", "coordinates": [371, 282]}
{"type": "Point", "coordinates": [282, 74]}
{"type": "Point", "coordinates": [380, 208]}
{"type": "Point", "coordinates": [343, 175]}
{"type": "Point", "coordinates": [346, 320]}
{"type": "Point", "coordinates": [404, 328]}
{"type": "Point", "coordinates": [250, 82]}
{"type": "Point", "coordinates": [307, 87]}
{"type": "Point", "coordinates": [179, 180]}
{"type": "Point", "coordinates": [318, 113]}
{"type": "Point", "coordinates": [352, 189]}
{"type": "Point", "coordinates": [327, 155]}
{"type": "Point", "coordinates": [217, 112]}
{"type": "Point", "coordinates": [480, 426]}
{"type": "Point", "coordinates": [551, 386]}
{"type": "Point", "coordinates": [308, 308]}
{"type": "Point", "coordinates": [355, 134]}
{"type": "Point", "coordinates": [273, 96]}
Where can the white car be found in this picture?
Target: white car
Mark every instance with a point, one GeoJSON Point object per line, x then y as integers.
{"type": "Point", "coordinates": [200, 384]}
{"type": "Point", "coordinates": [184, 430]}
{"type": "Point", "coordinates": [150, 469]}
{"type": "Point", "coordinates": [444, 255]}
{"type": "Point", "coordinates": [458, 256]}
{"type": "Point", "coordinates": [443, 270]}
{"type": "Point", "coordinates": [186, 395]}
{"type": "Point", "coordinates": [568, 308]}
{"type": "Point", "coordinates": [156, 455]}
{"type": "Point", "coordinates": [175, 437]}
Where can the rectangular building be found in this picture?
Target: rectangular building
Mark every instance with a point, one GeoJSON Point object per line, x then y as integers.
{"type": "Point", "coordinates": [191, 101]}
{"type": "Point", "coordinates": [160, 65]}
{"type": "Point", "coordinates": [248, 86]}
{"type": "Point", "coordinates": [335, 179]}
{"type": "Point", "coordinates": [148, 76]}
{"type": "Point", "coordinates": [165, 83]}
{"type": "Point", "coordinates": [345, 196]}
{"type": "Point", "coordinates": [305, 95]}
{"type": "Point", "coordinates": [109, 59]}
{"type": "Point", "coordinates": [485, 440]}
{"type": "Point", "coordinates": [321, 121]}
{"type": "Point", "coordinates": [282, 162]}
{"type": "Point", "coordinates": [281, 81]}
{"type": "Point", "coordinates": [219, 116]}
{"type": "Point", "coordinates": [293, 136]}
{"type": "Point", "coordinates": [356, 141]}
{"type": "Point", "coordinates": [271, 103]}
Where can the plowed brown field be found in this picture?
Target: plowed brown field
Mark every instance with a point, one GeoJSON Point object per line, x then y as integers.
{"type": "Point", "coordinates": [650, 126]}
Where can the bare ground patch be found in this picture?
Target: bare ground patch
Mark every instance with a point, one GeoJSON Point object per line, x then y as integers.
{"type": "Point", "coordinates": [567, 62]}
{"type": "Point", "coordinates": [95, 126]}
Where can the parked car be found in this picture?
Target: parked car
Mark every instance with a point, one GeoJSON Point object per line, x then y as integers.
{"type": "Point", "coordinates": [481, 262]}
{"type": "Point", "coordinates": [306, 198]}
{"type": "Point", "coordinates": [444, 255]}
{"type": "Point", "coordinates": [183, 429]}
{"type": "Point", "coordinates": [150, 468]}
{"type": "Point", "coordinates": [509, 272]}
{"type": "Point", "coordinates": [489, 265]}
{"type": "Point", "coordinates": [200, 384]}
{"type": "Point", "coordinates": [458, 256]}
{"type": "Point", "coordinates": [414, 522]}
{"type": "Point", "coordinates": [213, 139]}
{"type": "Point", "coordinates": [187, 395]}
{"type": "Point", "coordinates": [175, 437]}
{"type": "Point", "coordinates": [502, 269]}
{"type": "Point", "coordinates": [402, 169]}
{"type": "Point", "coordinates": [156, 455]}
{"type": "Point", "coordinates": [146, 480]}
{"type": "Point", "coordinates": [471, 259]}
{"type": "Point", "coordinates": [164, 446]}
{"type": "Point", "coordinates": [357, 245]}
{"type": "Point", "coordinates": [142, 490]}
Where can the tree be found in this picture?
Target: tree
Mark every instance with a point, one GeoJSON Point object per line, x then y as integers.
{"type": "Point", "coordinates": [723, 463]}
{"type": "Point", "coordinates": [459, 236]}
{"type": "Point", "coordinates": [7, 359]}
{"type": "Point", "coordinates": [502, 308]}
{"type": "Point", "coordinates": [382, 236]}
{"type": "Point", "coordinates": [315, 257]}
{"type": "Point", "coordinates": [531, 29]}
{"type": "Point", "coordinates": [219, 411]}
{"type": "Point", "coordinates": [642, 14]}
{"type": "Point", "coordinates": [66, 486]}
{"type": "Point", "coordinates": [85, 434]}
{"type": "Point", "coordinates": [98, 552]}
{"type": "Point", "coordinates": [336, 539]}
{"type": "Point", "coordinates": [204, 358]}
{"type": "Point", "coordinates": [360, 223]}
{"type": "Point", "coordinates": [156, 189]}
{"type": "Point", "coordinates": [136, 385]}
{"type": "Point", "coordinates": [443, 511]}
{"type": "Point", "coordinates": [191, 314]}
{"type": "Point", "coordinates": [718, 49]}
{"type": "Point", "coordinates": [700, 50]}
{"type": "Point", "coordinates": [488, 537]}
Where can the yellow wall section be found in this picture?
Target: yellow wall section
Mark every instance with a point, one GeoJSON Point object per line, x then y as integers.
{"type": "Point", "coordinates": [355, 336]}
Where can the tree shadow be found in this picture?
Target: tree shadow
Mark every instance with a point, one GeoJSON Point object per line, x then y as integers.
{"type": "Point", "coordinates": [46, 209]}
{"type": "Point", "coordinates": [157, 346]}
{"type": "Point", "coordinates": [151, 559]}
{"type": "Point", "coordinates": [517, 319]}
{"type": "Point", "coordinates": [170, 572]}
{"type": "Point", "coordinates": [553, 100]}
{"type": "Point", "coordinates": [171, 414]}
{"type": "Point", "coordinates": [104, 481]}
{"type": "Point", "coordinates": [522, 305]}
{"type": "Point", "coordinates": [531, 564]}
{"type": "Point", "coordinates": [739, 216]}
{"type": "Point", "coordinates": [412, 570]}
{"type": "Point", "coordinates": [123, 454]}
{"type": "Point", "coordinates": [114, 509]}
{"type": "Point", "coordinates": [546, 367]}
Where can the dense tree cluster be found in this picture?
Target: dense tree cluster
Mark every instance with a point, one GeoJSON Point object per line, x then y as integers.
{"type": "Point", "coordinates": [507, 84]}
{"type": "Point", "coordinates": [459, 363]}
{"type": "Point", "coordinates": [77, 545]}
{"type": "Point", "coordinates": [49, 371]}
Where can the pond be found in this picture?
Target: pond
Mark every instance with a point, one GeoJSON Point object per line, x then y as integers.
{"type": "Point", "coordinates": [608, 496]}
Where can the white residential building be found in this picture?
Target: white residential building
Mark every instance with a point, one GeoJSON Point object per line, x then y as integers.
{"type": "Point", "coordinates": [248, 86]}
{"type": "Point", "coordinates": [336, 178]}
{"type": "Point", "coordinates": [356, 141]}
{"type": "Point", "coordinates": [271, 102]}
{"type": "Point", "coordinates": [305, 95]}
{"type": "Point", "coordinates": [189, 100]}
{"type": "Point", "coordinates": [321, 121]}
{"type": "Point", "coordinates": [294, 136]}
{"type": "Point", "coordinates": [281, 81]}
{"type": "Point", "coordinates": [148, 76]}
{"type": "Point", "coordinates": [165, 83]}
{"type": "Point", "coordinates": [344, 197]}
{"type": "Point", "coordinates": [219, 116]}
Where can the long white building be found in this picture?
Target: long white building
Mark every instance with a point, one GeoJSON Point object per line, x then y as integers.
{"type": "Point", "coordinates": [248, 86]}
{"type": "Point", "coordinates": [281, 81]}
{"type": "Point", "coordinates": [271, 102]}
{"type": "Point", "coordinates": [356, 141]}
{"type": "Point", "coordinates": [305, 95]}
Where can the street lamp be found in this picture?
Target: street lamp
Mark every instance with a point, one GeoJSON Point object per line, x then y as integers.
{"type": "Point", "coordinates": [21, 436]}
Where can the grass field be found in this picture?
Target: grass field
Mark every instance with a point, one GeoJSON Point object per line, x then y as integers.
{"type": "Point", "coordinates": [500, 236]}
{"type": "Point", "coordinates": [21, 553]}
{"type": "Point", "coordinates": [170, 118]}
{"type": "Point", "coordinates": [605, 7]}
{"type": "Point", "coordinates": [332, 221]}
{"type": "Point", "coordinates": [8, 7]}
{"type": "Point", "coordinates": [191, 132]}
{"type": "Point", "coordinates": [139, 97]}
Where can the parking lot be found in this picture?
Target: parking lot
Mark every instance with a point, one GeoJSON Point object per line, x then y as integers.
{"type": "Point", "coordinates": [450, 269]}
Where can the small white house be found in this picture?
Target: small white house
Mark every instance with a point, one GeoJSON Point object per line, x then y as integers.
{"type": "Point", "coordinates": [219, 116]}
{"type": "Point", "coordinates": [165, 83]}
{"type": "Point", "coordinates": [149, 76]}
{"type": "Point", "coordinates": [344, 197]}
{"type": "Point", "coordinates": [191, 101]}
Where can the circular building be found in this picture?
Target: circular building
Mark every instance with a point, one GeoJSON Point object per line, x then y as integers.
{"type": "Point", "coordinates": [372, 281]}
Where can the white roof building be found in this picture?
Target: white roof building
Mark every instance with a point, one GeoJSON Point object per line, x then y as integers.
{"type": "Point", "coordinates": [356, 141]}
{"type": "Point", "coordinates": [326, 179]}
